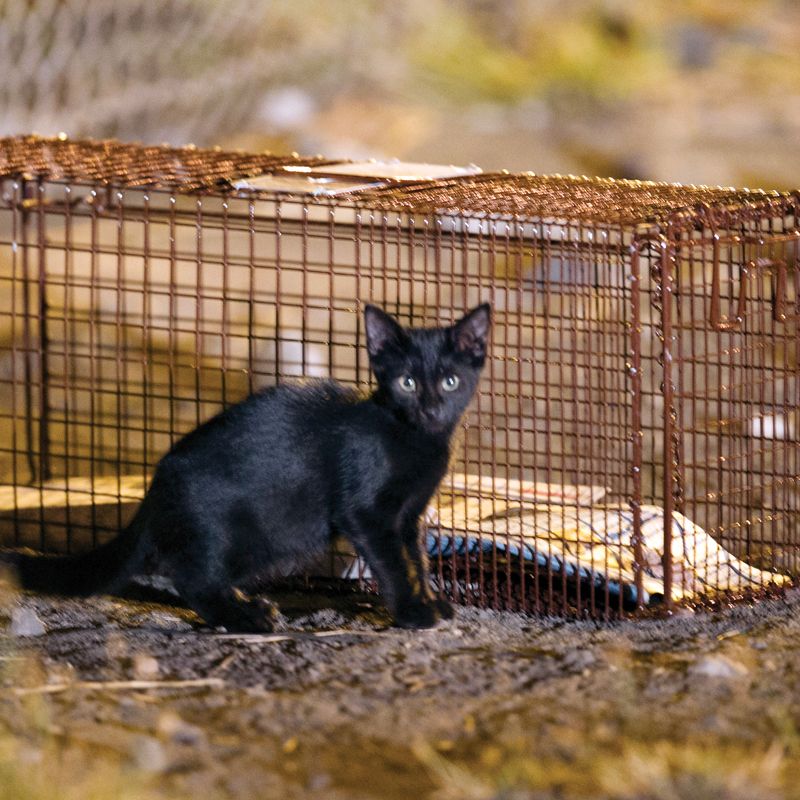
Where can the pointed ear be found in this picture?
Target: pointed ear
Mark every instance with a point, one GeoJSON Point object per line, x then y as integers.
{"type": "Point", "coordinates": [471, 334]}
{"type": "Point", "coordinates": [382, 330]}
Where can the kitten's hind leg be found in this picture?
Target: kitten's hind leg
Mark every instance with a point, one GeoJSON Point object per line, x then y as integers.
{"type": "Point", "coordinates": [231, 608]}
{"type": "Point", "coordinates": [195, 552]}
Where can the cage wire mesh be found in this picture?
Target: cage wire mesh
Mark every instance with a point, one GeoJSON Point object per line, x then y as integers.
{"type": "Point", "coordinates": [635, 441]}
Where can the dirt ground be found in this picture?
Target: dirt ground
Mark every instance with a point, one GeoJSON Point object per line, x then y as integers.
{"type": "Point", "coordinates": [129, 698]}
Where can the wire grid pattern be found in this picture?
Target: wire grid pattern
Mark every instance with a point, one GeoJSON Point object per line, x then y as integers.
{"type": "Point", "coordinates": [615, 202]}
{"type": "Point", "coordinates": [735, 314]}
{"type": "Point", "coordinates": [621, 358]}
{"type": "Point", "coordinates": [110, 162]}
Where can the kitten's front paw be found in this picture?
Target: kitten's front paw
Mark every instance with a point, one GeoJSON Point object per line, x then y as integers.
{"type": "Point", "coordinates": [250, 615]}
{"type": "Point", "coordinates": [445, 608]}
{"type": "Point", "coordinates": [417, 615]}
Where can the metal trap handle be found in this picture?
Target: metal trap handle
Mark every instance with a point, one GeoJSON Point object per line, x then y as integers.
{"type": "Point", "coordinates": [734, 322]}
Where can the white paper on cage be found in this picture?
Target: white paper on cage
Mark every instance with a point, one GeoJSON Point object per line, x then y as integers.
{"type": "Point", "coordinates": [410, 171]}
{"type": "Point", "coordinates": [359, 176]}
{"type": "Point", "coordinates": [305, 183]}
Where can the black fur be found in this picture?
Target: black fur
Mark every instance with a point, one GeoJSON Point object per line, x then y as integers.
{"type": "Point", "coordinates": [263, 487]}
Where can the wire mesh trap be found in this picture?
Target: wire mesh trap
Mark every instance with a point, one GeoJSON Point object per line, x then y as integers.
{"type": "Point", "coordinates": [636, 437]}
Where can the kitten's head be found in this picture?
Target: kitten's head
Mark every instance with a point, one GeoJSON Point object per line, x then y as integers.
{"type": "Point", "coordinates": [427, 375]}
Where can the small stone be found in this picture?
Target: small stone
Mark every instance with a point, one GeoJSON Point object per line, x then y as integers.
{"type": "Point", "coordinates": [148, 754]}
{"type": "Point", "coordinates": [26, 622]}
{"type": "Point", "coordinates": [179, 731]}
{"type": "Point", "coordinates": [318, 781]}
{"type": "Point", "coordinates": [716, 666]}
{"type": "Point", "coordinates": [145, 667]}
{"type": "Point", "coordinates": [579, 660]}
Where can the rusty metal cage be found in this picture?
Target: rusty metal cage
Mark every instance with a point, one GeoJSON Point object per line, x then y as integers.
{"type": "Point", "coordinates": [636, 437]}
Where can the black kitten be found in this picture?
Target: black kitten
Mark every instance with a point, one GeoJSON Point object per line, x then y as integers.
{"type": "Point", "coordinates": [263, 487]}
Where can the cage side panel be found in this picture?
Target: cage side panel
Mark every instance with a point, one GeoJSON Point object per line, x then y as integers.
{"type": "Point", "coordinates": [738, 387]}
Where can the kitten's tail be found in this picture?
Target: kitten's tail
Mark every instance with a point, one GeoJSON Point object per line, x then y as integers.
{"type": "Point", "coordinates": [103, 570]}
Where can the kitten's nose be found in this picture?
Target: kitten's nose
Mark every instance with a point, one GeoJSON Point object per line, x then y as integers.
{"type": "Point", "coordinates": [431, 415]}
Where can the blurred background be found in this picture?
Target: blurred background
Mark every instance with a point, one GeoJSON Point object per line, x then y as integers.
{"type": "Point", "coordinates": [698, 91]}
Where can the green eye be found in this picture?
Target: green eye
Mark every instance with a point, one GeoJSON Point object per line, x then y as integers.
{"type": "Point", "coordinates": [407, 383]}
{"type": "Point", "coordinates": [450, 383]}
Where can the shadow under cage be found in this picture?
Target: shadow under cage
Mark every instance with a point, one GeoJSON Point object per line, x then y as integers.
{"type": "Point", "coordinates": [635, 441]}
